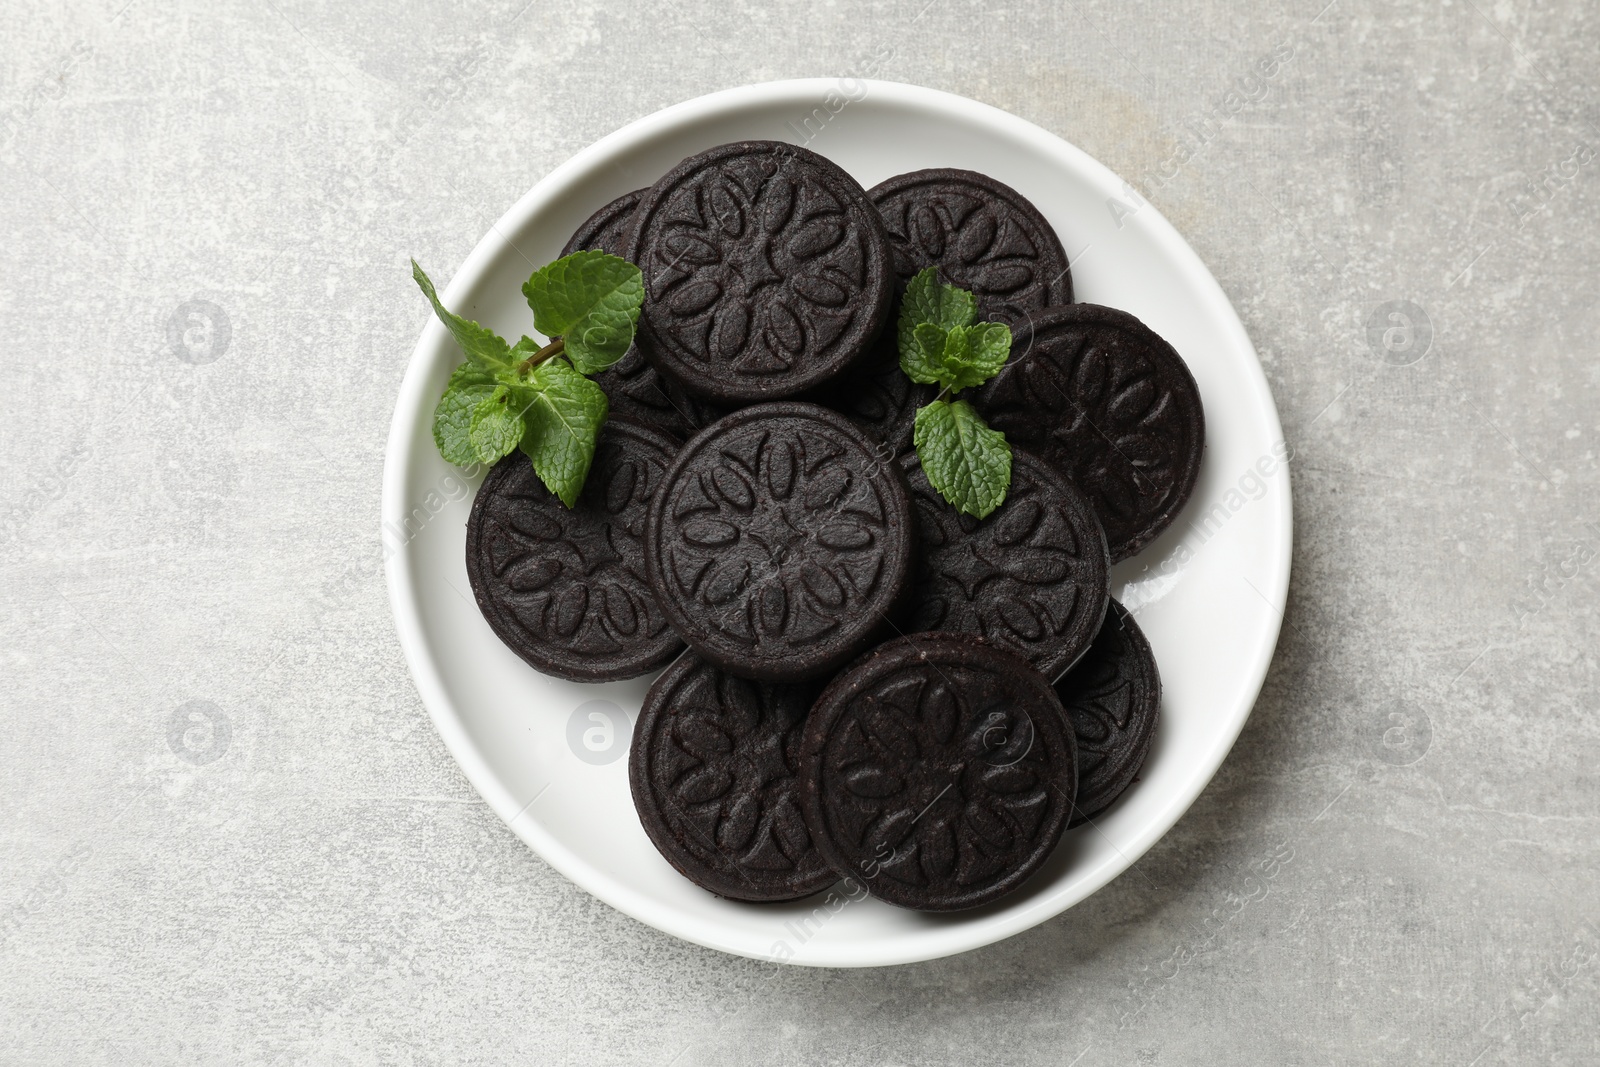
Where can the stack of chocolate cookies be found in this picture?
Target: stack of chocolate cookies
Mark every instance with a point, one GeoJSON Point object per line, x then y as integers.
{"type": "Point", "coordinates": [860, 681]}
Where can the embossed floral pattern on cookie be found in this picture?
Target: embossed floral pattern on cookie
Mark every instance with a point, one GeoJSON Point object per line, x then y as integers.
{"type": "Point", "coordinates": [780, 541]}
{"type": "Point", "coordinates": [1113, 700]}
{"type": "Point", "coordinates": [1103, 399]}
{"type": "Point", "coordinates": [937, 771]}
{"type": "Point", "coordinates": [1033, 577]}
{"type": "Point", "coordinates": [712, 768]}
{"type": "Point", "coordinates": [566, 588]}
{"type": "Point", "coordinates": [766, 272]}
{"type": "Point", "coordinates": [983, 236]}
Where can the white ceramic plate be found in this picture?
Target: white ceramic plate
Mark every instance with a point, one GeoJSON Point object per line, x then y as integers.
{"type": "Point", "coordinates": [550, 756]}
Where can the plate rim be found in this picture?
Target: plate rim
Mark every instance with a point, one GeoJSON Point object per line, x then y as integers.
{"type": "Point", "coordinates": [412, 405]}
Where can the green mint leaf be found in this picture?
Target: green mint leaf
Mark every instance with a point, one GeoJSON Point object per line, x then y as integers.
{"type": "Point", "coordinates": [591, 300]}
{"type": "Point", "coordinates": [482, 345]}
{"type": "Point", "coordinates": [940, 343]}
{"type": "Point", "coordinates": [954, 358]}
{"type": "Point", "coordinates": [563, 419]}
{"type": "Point", "coordinates": [965, 461]}
{"type": "Point", "coordinates": [958, 357]}
{"type": "Point", "coordinates": [922, 358]}
{"type": "Point", "coordinates": [974, 354]}
{"type": "Point", "coordinates": [452, 418]}
{"type": "Point", "coordinates": [927, 300]}
{"type": "Point", "coordinates": [496, 426]}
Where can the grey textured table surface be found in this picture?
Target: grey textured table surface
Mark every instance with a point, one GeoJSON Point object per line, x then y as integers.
{"type": "Point", "coordinates": [232, 835]}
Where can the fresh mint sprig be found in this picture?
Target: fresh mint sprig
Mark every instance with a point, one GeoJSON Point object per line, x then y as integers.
{"type": "Point", "coordinates": [538, 397]}
{"type": "Point", "coordinates": [941, 344]}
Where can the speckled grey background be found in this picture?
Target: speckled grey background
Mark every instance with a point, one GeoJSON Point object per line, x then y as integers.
{"type": "Point", "coordinates": [230, 833]}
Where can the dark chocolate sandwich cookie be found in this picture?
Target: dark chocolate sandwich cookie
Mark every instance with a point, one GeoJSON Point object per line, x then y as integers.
{"type": "Point", "coordinates": [1113, 699]}
{"type": "Point", "coordinates": [635, 388]}
{"type": "Point", "coordinates": [983, 236]}
{"type": "Point", "coordinates": [713, 766]}
{"type": "Point", "coordinates": [1033, 577]}
{"type": "Point", "coordinates": [1099, 395]}
{"type": "Point", "coordinates": [780, 542]}
{"type": "Point", "coordinates": [566, 588]}
{"type": "Point", "coordinates": [766, 272]}
{"type": "Point", "coordinates": [607, 229]}
{"type": "Point", "coordinates": [937, 772]}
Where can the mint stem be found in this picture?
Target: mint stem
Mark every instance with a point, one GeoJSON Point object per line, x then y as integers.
{"type": "Point", "coordinates": [554, 348]}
